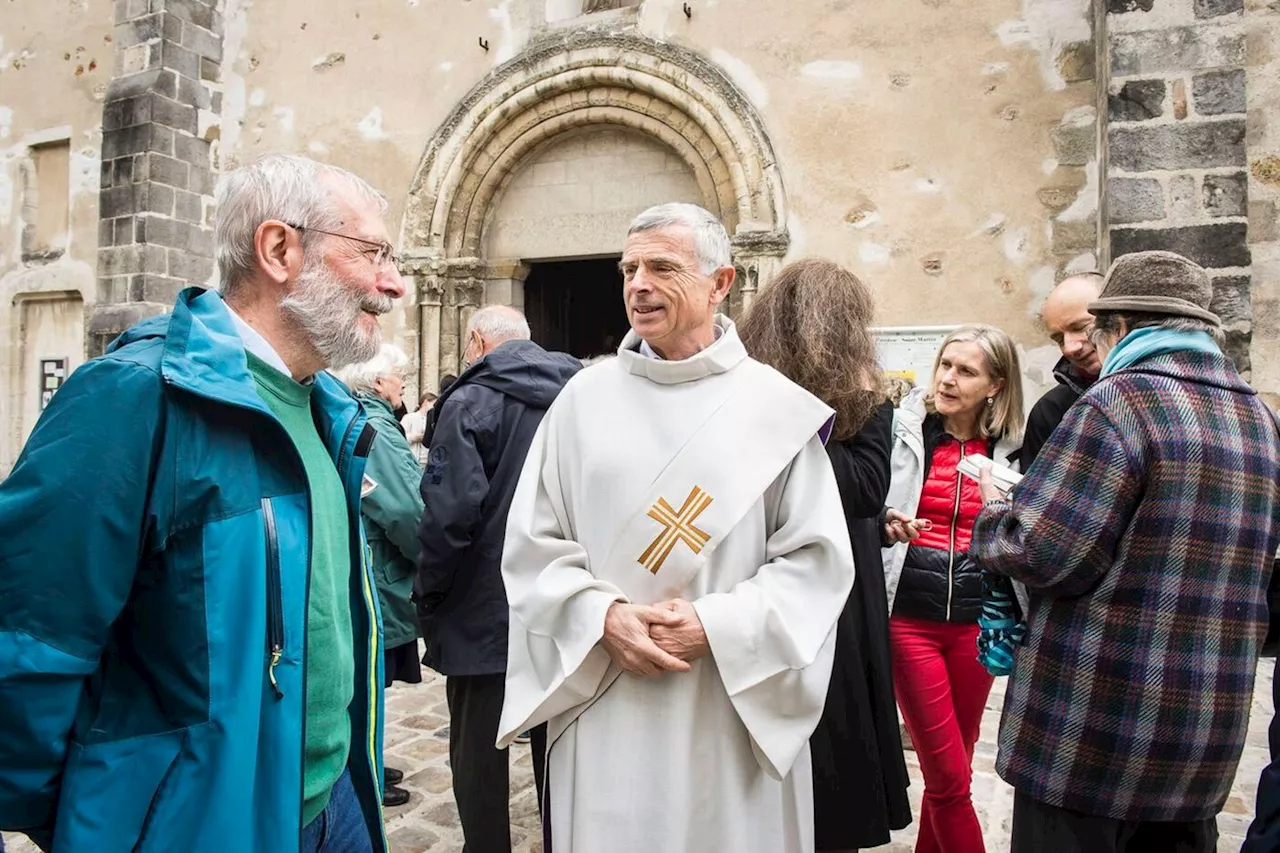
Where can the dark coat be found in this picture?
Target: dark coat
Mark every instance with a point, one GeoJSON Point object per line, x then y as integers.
{"type": "Point", "coordinates": [859, 774]}
{"type": "Point", "coordinates": [1145, 533]}
{"type": "Point", "coordinates": [1049, 410]}
{"type": "Point", "coordinates": [486, 423]}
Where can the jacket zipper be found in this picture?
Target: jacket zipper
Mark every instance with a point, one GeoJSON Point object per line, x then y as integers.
{"type": "Point", "coordinates": [275, 607]}
{"type": "Point", "coordinates": [951, 552]}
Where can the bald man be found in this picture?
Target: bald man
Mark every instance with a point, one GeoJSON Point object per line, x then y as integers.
{"type": "Point", "coordinates": [1066, 318]}
{"type": "Point", "coordinates": [486, 421]}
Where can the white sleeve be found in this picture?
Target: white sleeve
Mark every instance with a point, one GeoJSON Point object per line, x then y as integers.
{"type": "Point", "coordinates": [554, 662]}
{"type": "Point", "coordinates": [773, 635]}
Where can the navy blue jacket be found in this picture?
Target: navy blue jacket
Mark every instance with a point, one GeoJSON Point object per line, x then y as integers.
{"type": "Point", "coordinates": [486, 423]}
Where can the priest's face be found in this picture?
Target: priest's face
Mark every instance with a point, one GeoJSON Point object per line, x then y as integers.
{"type": "Point", "coordinates": [671, 303]}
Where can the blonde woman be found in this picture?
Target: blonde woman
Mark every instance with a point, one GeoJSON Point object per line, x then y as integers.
{"type": "Point", "coordinates": [972, 405]}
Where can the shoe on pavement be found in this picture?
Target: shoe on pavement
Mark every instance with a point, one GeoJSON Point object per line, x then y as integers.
{"type": "Point", "coordinates": [394, 796]}
{"type": "Point", "coordinates": [392, 775]}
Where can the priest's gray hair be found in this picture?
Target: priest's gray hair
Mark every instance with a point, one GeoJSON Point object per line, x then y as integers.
{"type": "Point", "coordinates": [497, 323]}
{"type": "Point", "coordinates": [286, 187]}
{"type": "Point", "coordinates": [390, 361]}
{"type": "Point", "coordinates": [709, 237]}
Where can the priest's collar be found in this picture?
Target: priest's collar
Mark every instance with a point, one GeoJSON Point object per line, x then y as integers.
{"type": "Point", "coordinates": [723, 355]}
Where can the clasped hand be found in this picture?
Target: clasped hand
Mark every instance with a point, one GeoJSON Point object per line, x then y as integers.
{"type": "Point", "coordinates": [648, 640]}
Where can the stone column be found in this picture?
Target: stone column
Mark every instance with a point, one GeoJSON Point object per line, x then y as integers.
{"type": "Point", "coordinates": [1176, 175]}
{"type": "Point", "coordinates": [463, 295]}
{"type": "Point", "coordinates": [157, 180]}
{"type": "Point", "coordinates": [757, 256]}
{"type": "Point", "coordinates": [424, 277]}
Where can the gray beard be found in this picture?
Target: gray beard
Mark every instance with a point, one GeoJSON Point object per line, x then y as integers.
{"type": "Point", "coordinates": [328, 314]}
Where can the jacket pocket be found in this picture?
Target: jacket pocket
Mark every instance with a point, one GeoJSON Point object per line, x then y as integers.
{"type": "Point", "coordinates": [109, 791]}
{"type": "Point", "coordinates": [275, 601]}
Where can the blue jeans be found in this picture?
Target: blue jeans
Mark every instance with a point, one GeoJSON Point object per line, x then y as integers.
{"type": "Point", "coordinates": [340, 828]}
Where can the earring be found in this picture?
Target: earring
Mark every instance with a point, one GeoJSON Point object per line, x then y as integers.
{"type": "Point", "coordinates": [990, 402]}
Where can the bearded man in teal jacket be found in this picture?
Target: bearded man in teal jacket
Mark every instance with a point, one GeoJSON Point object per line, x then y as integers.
{"type": "Point", "coordinates": [190, 638]}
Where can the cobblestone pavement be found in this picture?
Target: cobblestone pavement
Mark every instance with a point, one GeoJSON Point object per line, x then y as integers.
{"type": "Point", "coordinates": [417, 741]}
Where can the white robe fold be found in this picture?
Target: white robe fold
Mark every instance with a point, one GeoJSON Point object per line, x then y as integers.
{"type": "Point", "coordinates": [716, 758]}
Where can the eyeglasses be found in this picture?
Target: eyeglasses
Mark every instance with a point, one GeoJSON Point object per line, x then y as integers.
{"type": "Point", "coordinates": [385, 251]}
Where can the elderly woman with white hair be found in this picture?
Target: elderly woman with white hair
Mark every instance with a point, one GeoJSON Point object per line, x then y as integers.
{"type": "Point", "coordinates": [391, 506]}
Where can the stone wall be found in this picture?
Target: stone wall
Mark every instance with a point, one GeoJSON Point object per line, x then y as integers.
{"type": "Point", "coordinates": [157, 178]}
{"type": "Point", "coordinates": [1262, 148]}
{"type": "Point", "coordinates": [1176, 114]}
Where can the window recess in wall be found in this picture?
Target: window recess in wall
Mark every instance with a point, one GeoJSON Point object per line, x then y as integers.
{"type": "Point", "coordinates": [46, 208]}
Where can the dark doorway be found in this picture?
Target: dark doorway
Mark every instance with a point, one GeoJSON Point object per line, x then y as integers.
{"type": "Point", "coordinates": [576, 306]}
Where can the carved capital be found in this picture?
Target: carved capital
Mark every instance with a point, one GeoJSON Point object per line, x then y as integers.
{"type": "Point", "coordinates": [760, 243]}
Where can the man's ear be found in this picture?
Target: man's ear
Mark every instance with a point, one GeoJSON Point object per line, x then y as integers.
{"type": "Point", "coordinates": [723, 279]}
{"type": "Point", "coordinates": [277, 250]}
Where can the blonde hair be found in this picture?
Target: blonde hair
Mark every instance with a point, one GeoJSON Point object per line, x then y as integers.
{"type": "Point", "coordinates": [1004, 417]}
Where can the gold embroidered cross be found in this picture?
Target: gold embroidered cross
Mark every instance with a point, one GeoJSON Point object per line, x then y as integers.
{"type": "Point", "coordinates": [677, 526]}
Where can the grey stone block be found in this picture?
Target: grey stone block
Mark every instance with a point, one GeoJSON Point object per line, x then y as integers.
{"type": "Point", "coordinates": [1176, 49]}
{"type": "Point", "coordinates": [158, 199]}
{"type": "Point", "coordinates": [191, 91]}
{"type": "Point", "coordinates": [173, 28]}
{"type": "Point", "coordinates": [177, 57]}
{"type": "Point", "coordinates": [120, 260]}
{"type": "Point", "coordinates": [1118, 7]}
{"type": "Point", "coordinates": [1213, 246]}
{"type": "Point", "coordinates": [1177, 146]}
{"type": "Point", "coordinates": [1232, 300]}
{"type": "Point", "coordinates": [1078, 62]}
{"type": "Point", "coordinates": [1238, 343]}
{"type": "Point", "coordinates": [186, 265]}
{"type": "Point", "coordinates": [1217, 8]}
{"type": "Point", "coordinates": [1074, 144]}
{"type": "Point", "coordinates": [159, 288]}
{"type": "Point", "coordinates": [1137, 100]}
{"type": "Point", "coordinates": [166, 170]}
{"type": "Point", "coordinates": [200, 14]}
{"type": "Point", "coordinates": [192, 149]}
{"type": "Point", "coordinates": [117, 201]}
{"type": "Point", "coordinates": [188, 207]}
{"type": "Point", "coordinates": [1219, 92]}
{"type": "Point", "coordinates": [1184, 201]}
{"type": "Point", "coordinates": [106, 232]}
{"type": "Point", "coordinates": [210, 70]}
{"type": "Point", "coordinates": [138, 31]}
{"type": "Point", "coordinates": [1226, 195]}
{"type": "Point", "coordinates": [174, 115]}
{"type": "Point", "coordinates": [1135, 200]}
{"type": "Point", "coordinates": [1076, 236]}
{"type": "Point", "coordinates": [202, 42]}
{"type": "Point", "coordinates": [124, 231]}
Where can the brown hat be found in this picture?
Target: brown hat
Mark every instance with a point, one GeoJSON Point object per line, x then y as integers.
{"type": "Point", "coordinates": [1157, 283]}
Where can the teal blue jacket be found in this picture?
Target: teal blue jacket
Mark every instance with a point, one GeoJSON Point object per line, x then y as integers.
{"type": "Point", "coordinates": [153, 554]}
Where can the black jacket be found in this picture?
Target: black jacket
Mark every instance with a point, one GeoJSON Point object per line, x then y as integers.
{"type": "Point", "coordinates": [486, 423]}
{"type": "Point", "coordinates": [1049, 410]}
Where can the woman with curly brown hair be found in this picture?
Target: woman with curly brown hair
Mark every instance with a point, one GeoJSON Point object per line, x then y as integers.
{"type": "Point", "coordinates": [811, 324]}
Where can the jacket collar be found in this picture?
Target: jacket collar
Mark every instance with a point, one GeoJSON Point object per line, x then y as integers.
{"type": "Point", "coordinates": [1212, 369]}
{"type": "Point", "coordinates": [204, 355]}
{"type": "Point", "coordinates": [1069, 375]}
{"type": "Point", "coordinates": [722, 356]}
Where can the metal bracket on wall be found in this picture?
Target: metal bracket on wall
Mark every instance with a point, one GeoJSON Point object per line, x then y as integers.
{"type": "Point", "coordinates": [688, 10]}
{"type": "Point", "coordinates": [484, 44]}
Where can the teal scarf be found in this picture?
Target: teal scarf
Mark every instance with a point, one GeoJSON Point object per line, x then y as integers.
{"type": "Point", "coordinates": [1150, 341]}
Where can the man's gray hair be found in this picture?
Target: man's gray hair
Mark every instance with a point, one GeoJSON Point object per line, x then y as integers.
{"type": "Point", "coordinates": [709, 237]}
{"type": "Point", "coordinates": [497, 323]}
{"type": "Point", "coordinates": [286, 187]}
{"type": "Point", "coordinates": [1107, 324]}
{"type": "Point", "coordinates": [390, 361]}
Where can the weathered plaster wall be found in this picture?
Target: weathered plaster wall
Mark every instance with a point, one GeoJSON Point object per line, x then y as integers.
{"type": "Point", "coordinates": [55, 63]}
{"type": "Point", "coordinates": [941, 149]}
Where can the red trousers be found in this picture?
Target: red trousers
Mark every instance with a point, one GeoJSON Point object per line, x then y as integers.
{"type": "Point", "coordinates": [942, 690]}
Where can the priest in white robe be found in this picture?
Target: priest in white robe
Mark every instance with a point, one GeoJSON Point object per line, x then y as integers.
{"type": "Point", "coordinates": [676, 559]}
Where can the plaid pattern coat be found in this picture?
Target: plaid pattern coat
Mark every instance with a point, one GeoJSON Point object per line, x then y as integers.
{"type": "Point", "coordinates": [1145, 533]}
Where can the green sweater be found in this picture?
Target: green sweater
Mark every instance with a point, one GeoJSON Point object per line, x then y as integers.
{"type": "Point", "coordinates": [330, 656]}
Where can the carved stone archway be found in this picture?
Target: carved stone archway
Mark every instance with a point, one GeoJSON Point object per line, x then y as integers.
{"type": "Point", "coordinates": [559, 85]}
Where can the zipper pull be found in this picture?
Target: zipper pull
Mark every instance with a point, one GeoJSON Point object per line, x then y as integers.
{"type": "Point", "coordinates": [271, 671]}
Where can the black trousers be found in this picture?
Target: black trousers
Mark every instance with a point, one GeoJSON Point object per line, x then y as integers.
{"type": "Point", "coordinates": [1041, 828]}
{"type": "Point", "coordinates": [481, 772]}
{"type": "Point", "coordinates": [1264, 833]}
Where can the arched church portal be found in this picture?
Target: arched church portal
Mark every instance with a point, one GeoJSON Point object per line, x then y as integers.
{"type": "Point", "coordinates": [524, 193]}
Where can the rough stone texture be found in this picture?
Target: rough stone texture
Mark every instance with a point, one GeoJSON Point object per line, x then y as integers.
{"type": "Point", "coordinates": [1176, 49]}
{"type": "Point", "coordinates": [1177, 146]}
{"type": "Point", "coordinates": [1212, 246]}
{"type": "Point", "coordinates": [1075, 142]}
{"type": "Point", "coordinates": [151, 161]}
{"type": "Point", "coordinates": [1135, 199]}
{"type": "Point", "coordinates": [1219, 92]}
{"type": "Point", "coordinates": [1231, 300]}
{"type": "Point", "coordinates": [1122, 6]}
{"type": "Point", "coordinates": [1217, 8]}
{"type": "Point", "coordinates": [1184, 198]}
{"type": "Point", "coordinates": [1226, 195]}
{"type": "Point", "coordinates": [428, 822]}
{"type": "Point", "coordinates": [1137, 100]}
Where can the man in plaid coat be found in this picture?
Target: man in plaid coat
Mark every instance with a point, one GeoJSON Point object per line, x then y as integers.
{"type": "Point", "coordinates": [1144, 532]}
